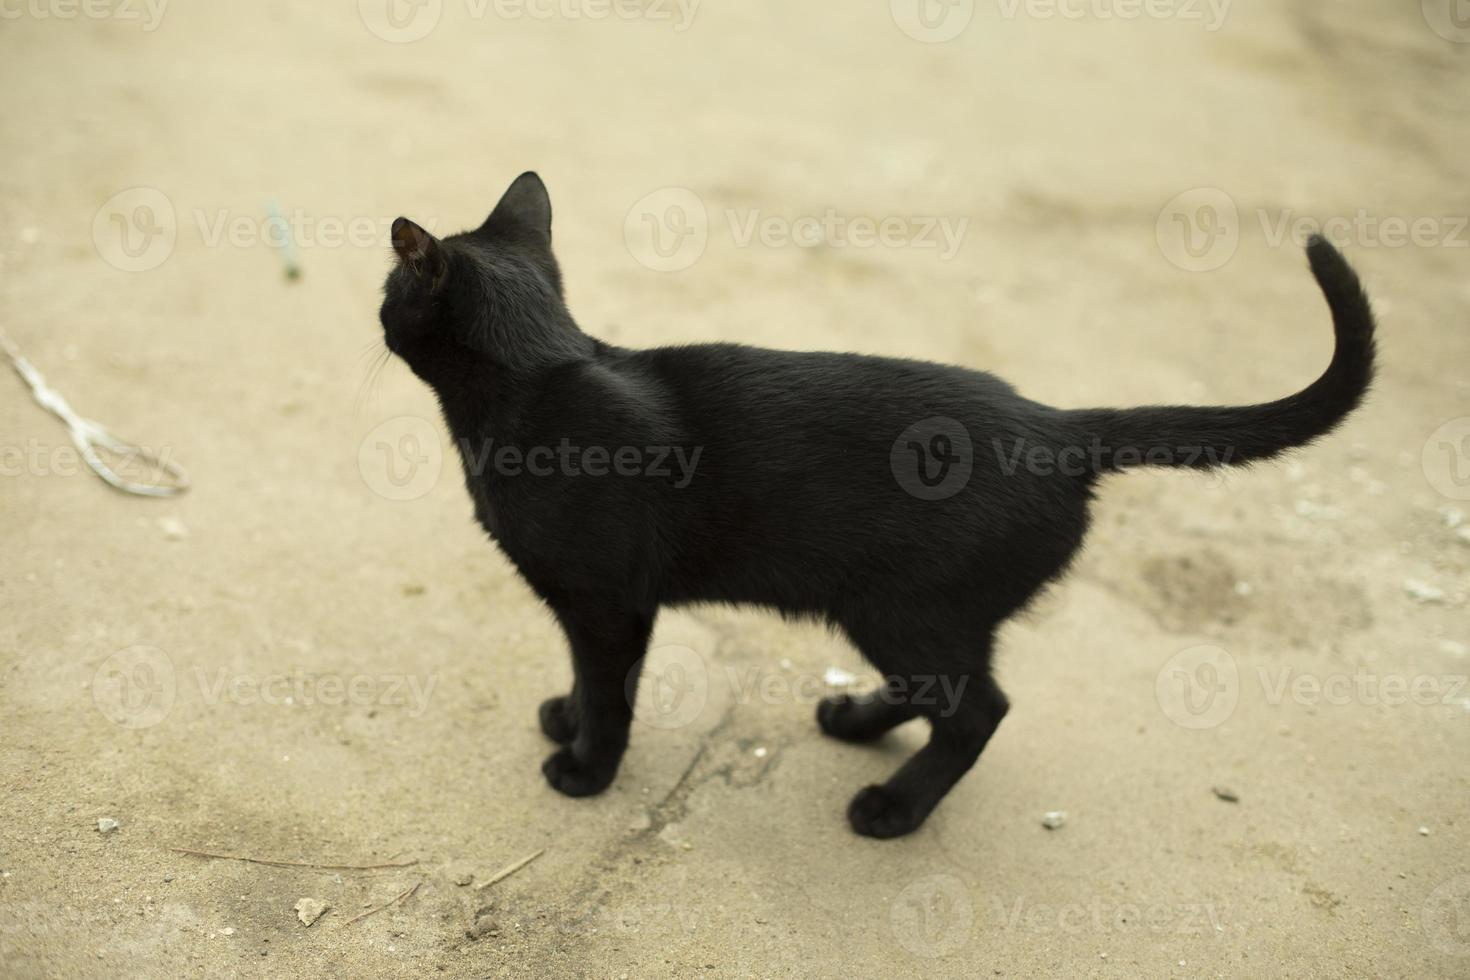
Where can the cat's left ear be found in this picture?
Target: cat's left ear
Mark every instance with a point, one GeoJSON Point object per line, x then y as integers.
{"type": "Point", "coordinates": [525, 205]}
{"type": "Point", "coordinates": [420, 251]}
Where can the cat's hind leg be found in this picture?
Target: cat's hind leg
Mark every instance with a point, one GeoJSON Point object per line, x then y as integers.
{"type": "Point", "coordinates": [558, 718]}
{"type": "Point", "coordinates": [956, 740]}
{"type": "Point", "coordinates": [865, 717]}
{"type": "Point", "coordinates": [938, 658]}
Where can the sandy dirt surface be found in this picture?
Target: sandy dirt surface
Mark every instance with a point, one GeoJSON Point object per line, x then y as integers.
{"type": "Point", "coordinates": [315, 656]}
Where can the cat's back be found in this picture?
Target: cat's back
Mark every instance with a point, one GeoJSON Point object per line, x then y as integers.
{"type": "Point", "coordinates": [761, 383]}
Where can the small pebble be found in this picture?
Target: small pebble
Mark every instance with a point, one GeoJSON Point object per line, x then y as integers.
{"type": "Point", "coordinates": [106, 825]}
{"type": "Point", "coordinates": [760, 752]}
{"type": "Point", "coordinates": [1226, 794]}
{"type": "Point", "coordinates": [463, 879]}
{"type": "Point", "coordinates": [227, 931]}
{"type": "Point", "coordinates": [308, 910]}
{"type": "Point", "coordinates": [1423, 831]}
{"type": "Point", "coordinates": [483, 926]}
{"type": "Point", "coordinates": [173, 528]}
{"type": "Point", "coordinates": [1422, 591]}
{"type": "Point", "coordinates": [837, 677]}
{"type": "Point", "coordinates": [1053, 819]}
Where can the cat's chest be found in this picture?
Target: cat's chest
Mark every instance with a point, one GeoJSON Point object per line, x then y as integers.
{"type": "Point", "coordinates": [487, 512]}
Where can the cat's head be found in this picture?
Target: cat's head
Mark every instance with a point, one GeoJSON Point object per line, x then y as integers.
{"type": "Point", "coordinates": [492, 296]}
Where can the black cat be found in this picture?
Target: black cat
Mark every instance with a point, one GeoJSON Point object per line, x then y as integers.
{"type": "Point", "coordinates": [915, 506]}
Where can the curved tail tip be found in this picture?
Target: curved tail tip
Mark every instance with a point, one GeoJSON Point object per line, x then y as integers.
{"type": "Point", "coordinates": [1323, 254]}
{"type": "Point", "coordinates": [1328, 265]}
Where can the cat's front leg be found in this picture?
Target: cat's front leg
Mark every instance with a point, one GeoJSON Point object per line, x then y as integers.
{"type": "Point", "coordinates": [608, 643]}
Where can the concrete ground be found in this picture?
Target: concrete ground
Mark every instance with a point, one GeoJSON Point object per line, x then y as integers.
{"type": "Point", "coordinates": [315, 657]}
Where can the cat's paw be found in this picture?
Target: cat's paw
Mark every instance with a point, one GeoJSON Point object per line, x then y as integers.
{"type": "Point", "coordinates": [569, 775]}
{"type": "Point", "coordinates": [877, 812]}
{"type": "Point", "coordinates": [556, 720]}
{"type": "Point", "coordinates": [842, 717]}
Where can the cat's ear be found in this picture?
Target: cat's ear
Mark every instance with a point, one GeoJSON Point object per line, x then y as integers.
{"type": "Point", "coordinates": [420, 251]}
{"type": "Point", "coordinates": [525, 205]}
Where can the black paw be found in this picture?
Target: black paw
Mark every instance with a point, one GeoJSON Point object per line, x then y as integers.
{"type": "Point", "coordinates": [568, 774]}
{"type": "Point", "coordinates": [842, 717]}
{"type": "Point", "coordinates": [556, 720]}
{"type": "Point", "coordinates": [837, 716]}
{"type": "Point", "coordinates": [876, 812]}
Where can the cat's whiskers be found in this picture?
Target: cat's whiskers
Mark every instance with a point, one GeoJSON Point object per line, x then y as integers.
{"type": "Point", "coordinates": [380, 356]}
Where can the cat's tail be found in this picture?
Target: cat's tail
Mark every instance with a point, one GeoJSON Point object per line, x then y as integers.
{"type": "Point", "coordinates": [1207, 437]}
